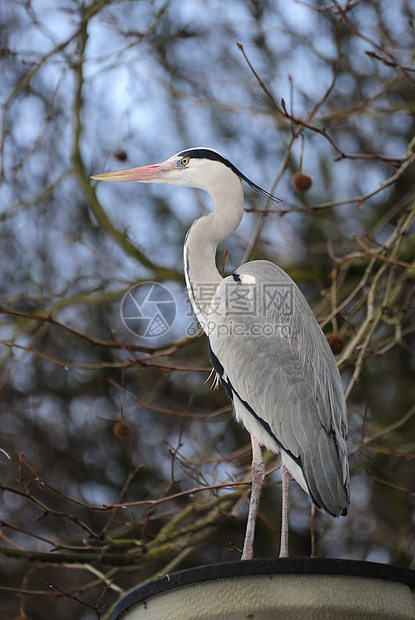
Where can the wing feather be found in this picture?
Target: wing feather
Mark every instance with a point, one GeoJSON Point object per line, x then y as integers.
{"type": "Point", "coordinates": [277, 360]}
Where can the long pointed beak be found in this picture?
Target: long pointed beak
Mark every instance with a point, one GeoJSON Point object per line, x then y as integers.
{"type": "Point", "coordinates": [144, 173]}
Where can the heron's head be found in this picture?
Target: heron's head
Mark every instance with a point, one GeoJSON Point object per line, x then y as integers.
{"type": "Point", "coordinates": [198, 167]}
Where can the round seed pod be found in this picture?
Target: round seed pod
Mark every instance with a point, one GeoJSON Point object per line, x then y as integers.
{"type": "Point", "coordinates": [120, 154]}
{"type": "Point", "coordinates": [302, 181]}
{"type": "Point", "coordinates": [336, 343]}
{"type": "Point", "coordinates": [121, 430]}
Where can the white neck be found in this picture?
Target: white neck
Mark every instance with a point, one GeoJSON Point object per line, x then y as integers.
{"type": "Point", "coordinates": [203, 237]}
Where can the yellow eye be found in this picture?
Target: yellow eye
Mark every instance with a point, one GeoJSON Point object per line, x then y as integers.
{"type": "Point", "coordinates": [185, 161]}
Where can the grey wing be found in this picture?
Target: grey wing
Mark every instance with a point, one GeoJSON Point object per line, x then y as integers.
{"type": "Point", "coordinates": [276, 365]}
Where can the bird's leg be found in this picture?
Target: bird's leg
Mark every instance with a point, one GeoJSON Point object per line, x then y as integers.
{"type": "Point", "coordinates": [258, 473]}
{"type": "Point", "coordinates": [313, 531]}
{"type": "Point", "coordinates": [285, 479]}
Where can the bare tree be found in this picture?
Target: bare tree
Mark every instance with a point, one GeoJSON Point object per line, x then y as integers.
{"type": "Point", "coordinates": [118, 461]}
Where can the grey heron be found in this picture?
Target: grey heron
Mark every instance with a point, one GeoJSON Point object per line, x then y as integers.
{"type": "Point", "coordinates": [264, 343]}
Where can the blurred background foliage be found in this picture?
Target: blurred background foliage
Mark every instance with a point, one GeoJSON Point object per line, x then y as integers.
{"type": "Point", "coordinates": [118, 461]}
